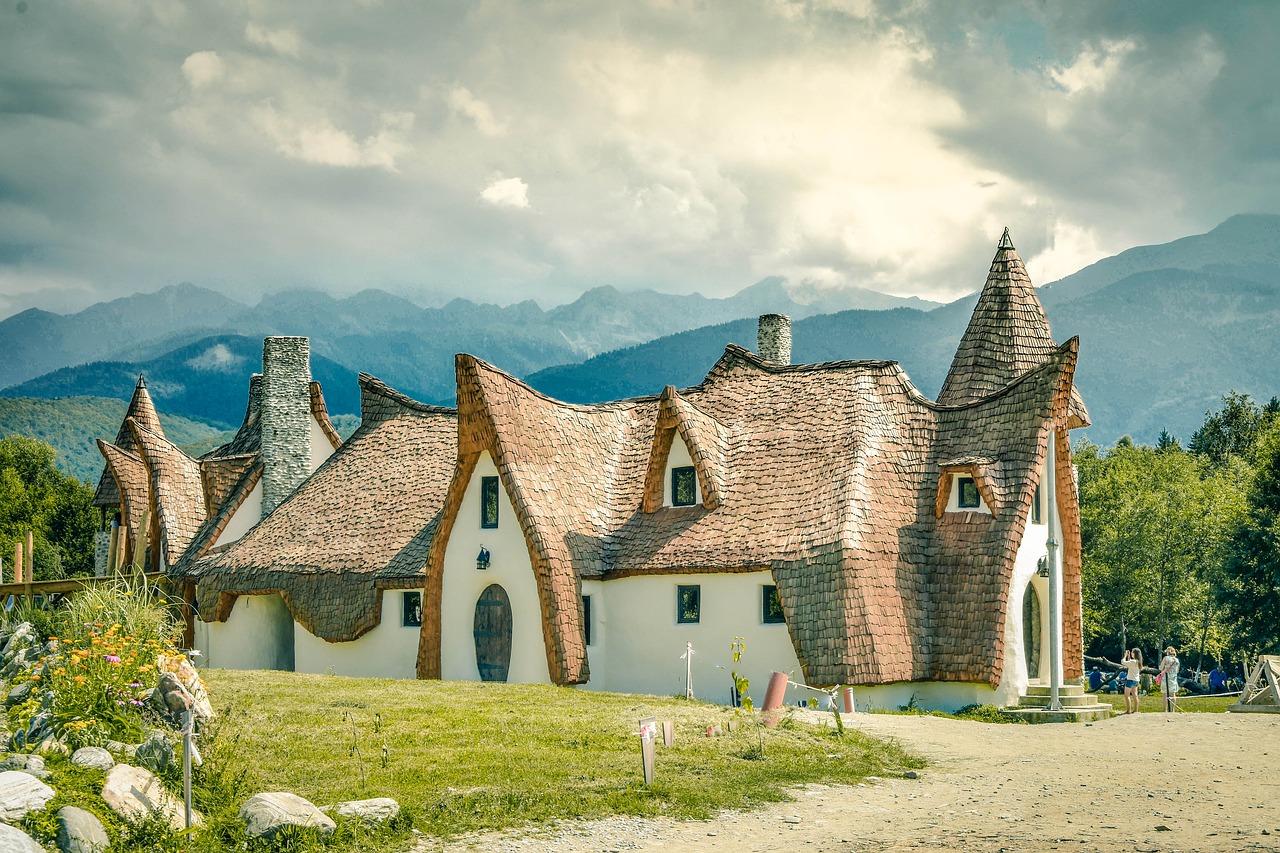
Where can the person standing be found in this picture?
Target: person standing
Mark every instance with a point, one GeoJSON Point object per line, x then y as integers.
{"type": "Point", "coordinates": [1169, 666]}
{"type": "Point", "coordinates": [1132, 678]}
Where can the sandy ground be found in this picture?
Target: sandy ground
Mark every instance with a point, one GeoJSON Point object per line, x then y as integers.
{"type": "Point", "coordinates": [1147, 782]}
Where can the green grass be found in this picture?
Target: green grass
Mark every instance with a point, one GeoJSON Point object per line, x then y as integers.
{"type": "Point", "coordinates": [978, 713]}
{"type": "Point", "coordinates": [470, 756]}
{"type": "Point", "coordinates": [1154, 703]}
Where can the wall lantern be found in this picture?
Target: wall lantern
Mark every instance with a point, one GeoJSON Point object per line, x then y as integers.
{"type": "Point", "coordinates": [1042, 566]}
{"type": "Point", "coordinates": [482, 559]}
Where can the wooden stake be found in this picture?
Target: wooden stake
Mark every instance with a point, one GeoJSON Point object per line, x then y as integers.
{"type": "Point", "coordinates": [29, 573]}
{"type": "Point", "coordinates": [17, 562]}
{"type": "Point", "coordinates": [112, 541]}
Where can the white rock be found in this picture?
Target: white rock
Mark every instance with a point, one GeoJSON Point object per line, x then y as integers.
{"type": "Point", "coordinates": [93, 756]}
{"type": "Point", "coordinates": [266, 814]}
{"type": "Point", "coordinates": [376, 810]}
{"type": "Point", "coordinates": [14, 840]}
{"type": "Point", "coordinates": [134, 793]}
{"type": "Point", "coordinates": [21, 793]}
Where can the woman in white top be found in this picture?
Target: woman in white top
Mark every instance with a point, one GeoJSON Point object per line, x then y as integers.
{"type": "Point", "coordinates": [1169, 666]}
{"type": "Point", "coordinates": [1132, 678]}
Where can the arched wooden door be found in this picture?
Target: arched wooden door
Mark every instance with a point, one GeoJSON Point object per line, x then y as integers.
{"type": "Point", "coordinates": [493, 633]}
{"type": "Point", "coordinates": [1031, 629]}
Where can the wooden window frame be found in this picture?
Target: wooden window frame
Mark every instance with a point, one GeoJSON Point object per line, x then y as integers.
{"type": "Point", "coordinates": [407, 609]}
{"type": "Point", "coordinates": [676, 473]}
{"type": "Point", "coordinates": [766, 617]}
{"type": "Point", "coordinates": [961, 481]}
{"type": "Point", "coordinates": [688, 589]}
{"type": "Point", "coordinates": [489, 486]}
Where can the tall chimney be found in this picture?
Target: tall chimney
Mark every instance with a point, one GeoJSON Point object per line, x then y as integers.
{"type": "Point", "coordinates": [773, 338]}
{"type": "Point", "coordinates": [286, 418]}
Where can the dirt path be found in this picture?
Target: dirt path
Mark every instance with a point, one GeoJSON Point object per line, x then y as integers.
{"type": "Point", "coordinates": [1148, 782]}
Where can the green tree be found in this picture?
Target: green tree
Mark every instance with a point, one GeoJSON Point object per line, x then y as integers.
{"type": "Point", "coordinates": [57, 508]}
{"type": "Point", "coordinates": [1234, 430]}
{"type": "Point", "coordinates": [1156, 526]}
{"type": "Point", "coordinates": [1250, 590]}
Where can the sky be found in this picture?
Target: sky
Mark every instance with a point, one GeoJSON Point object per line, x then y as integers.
{"type": "Point", "coordinates": [505, 151]}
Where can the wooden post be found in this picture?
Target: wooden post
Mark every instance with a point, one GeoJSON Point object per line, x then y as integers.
{"type": "Point", "coordinates": [112, 542]}
{"type": "Point", "coordinates": [17, 563]}
{"type": "Point", "coordinates": [29, 573]}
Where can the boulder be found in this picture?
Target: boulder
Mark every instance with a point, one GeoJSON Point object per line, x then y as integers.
{"type": "Point", "coordinates": [80, 831]}
{"type": "Point", "coordinates": [376, 810]}
{"type": "Point", "coordinates": [134, 793]}
{"type": "Point", "coordinates": [155, 753]}
{"type": "Point", "coordinates": [266, 814]}
{"type": "Point", "coordinates": [14, 840]}
{"type": "Point", "coordinates": [19, 693]}
{"type": "Point", "coordinates": [19, 638]}
{"type": "Point", "coordinates": [20, 792]}
{"type": "Point", "coordinates": [93, 756]}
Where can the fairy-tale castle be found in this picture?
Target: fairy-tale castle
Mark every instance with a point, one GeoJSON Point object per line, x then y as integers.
{"type": "Point", "coordinates": [850, 529]}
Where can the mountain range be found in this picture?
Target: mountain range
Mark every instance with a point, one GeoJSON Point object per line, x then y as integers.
{"type": "Point", "coordinates": [1165, 331]}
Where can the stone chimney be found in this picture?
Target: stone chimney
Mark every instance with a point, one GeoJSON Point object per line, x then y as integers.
{"type": "Point", "coordinates": [286, 418]}
{"type": "Point", "coordinates": [773, 338]}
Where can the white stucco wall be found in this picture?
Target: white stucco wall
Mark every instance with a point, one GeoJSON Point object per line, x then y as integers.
{"type": "Point", "coordinates": [257, 635]}
{"type": "Point", "coordinates": [679, 457]}
{"type": "Point", "coordinates": [462, 584]}
{"type": "Point", "coordinates": [931, 695]}
{"type": "Point", "coordinates": [246, 516]}
{"type": "Point", "coordinates": [389, 650]}
{"type": "Point", "coordinates": [1033, 546]}
{"type": "Point", "coordinates": [321, 449]}
{"type": "Point", "coordinates": [637, 643]}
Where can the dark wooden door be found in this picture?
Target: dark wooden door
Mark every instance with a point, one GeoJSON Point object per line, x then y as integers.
{"type": "Point", "coordinates": [1031, 629]}
{"type": "Point", "coordinates": [493, 634]}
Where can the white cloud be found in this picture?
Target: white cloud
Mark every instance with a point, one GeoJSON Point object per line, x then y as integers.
{"type": "Point", "coordinates": [202, 68]}
{"type": "Point", "coordinates": [217, 358]}
{"type": "Point", "coordinates": [466, 104]}
{"type": "Point", "coordinates": [284, 42]}
{"type": "Point", "coordinates": [1094, 67]}
{"type": "Point", "coordinates": [1070, 248]}
{"type": "Point", "coordinates": [316, 139]}
{"type": "Point", "coordinates": [506, 192]}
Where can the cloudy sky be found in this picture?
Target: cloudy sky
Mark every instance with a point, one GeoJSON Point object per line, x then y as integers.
{"type": "Point", "coordinates": [514, 150]}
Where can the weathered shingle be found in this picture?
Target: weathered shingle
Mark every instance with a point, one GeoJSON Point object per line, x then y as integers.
{"type": "Point", "coordinates": [142, 411]}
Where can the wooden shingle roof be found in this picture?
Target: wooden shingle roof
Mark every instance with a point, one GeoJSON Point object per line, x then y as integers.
{"type": "Point", "coordinates": [362, 522]}
{"type": "Point", "coordinates": [1008, 334]}
{"type": "Point", "coordinates": [177, 495]}
{"type": "Point", "coordinates": [826, 474]}
{"type": "Point", "coordinates": [142, 411]}
{"type": "Point", "coordinates": [132, 487]}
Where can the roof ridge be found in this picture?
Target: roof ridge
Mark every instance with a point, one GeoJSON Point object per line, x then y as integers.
{"type": "Point", "coordinates": [1056, 361]}
{"type": "Point", "coordinates": [373, 385]}
{"type": "Point", "coordinates": [480, 363]}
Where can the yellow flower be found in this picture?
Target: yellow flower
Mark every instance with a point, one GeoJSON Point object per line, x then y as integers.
{"type": "Point", "coordinates": [79, 679]}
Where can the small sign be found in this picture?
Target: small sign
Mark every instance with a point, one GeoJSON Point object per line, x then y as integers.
{"type": "Point", "coordinates": [648, 733]}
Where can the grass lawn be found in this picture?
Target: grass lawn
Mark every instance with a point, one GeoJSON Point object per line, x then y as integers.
{"type": "Point", "coordinates": [469, 756]}
{"type": "Point", "coordinates": [1154, 703]}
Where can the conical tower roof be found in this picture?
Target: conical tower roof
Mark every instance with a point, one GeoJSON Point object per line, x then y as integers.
{"type": "Point", "coordinates": [1008, 335]}
{"type": "Point", "coordinates": [143, 412]}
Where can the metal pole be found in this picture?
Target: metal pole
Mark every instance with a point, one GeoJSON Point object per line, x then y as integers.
{"type": "Point", "coordinates": [188, 723]}
{"type": "Point", "coordinates": [1055, 581]}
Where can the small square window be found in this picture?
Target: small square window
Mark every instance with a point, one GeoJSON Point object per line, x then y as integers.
{"type": "Point", "coordinates": [688, 604]}
{"type": "Point", "coordinates": [1035, 507]}
{"type": "Point", "coordinates": [968, 498]}
{"type": "Point", "coordinates": [412, 610]}
{"type": "Point", "coordinates": [684, 486]}
{"type": "Point", "coordinates": [586, 617]}
{"type": "Point", "coordinates": [488, 502]}
{"type": "Point", "coordinates": [772, 605]}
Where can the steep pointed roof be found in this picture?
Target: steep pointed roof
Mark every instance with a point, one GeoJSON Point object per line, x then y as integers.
{"type": "Point", "coordinates": [129, 475]}
{"type": "Point", "coordinates": [177, 493]}
{"type": "Point", "coordinates": [1007, 336]}
{"type": "Point", "coordinates": [704, 436]}
{"type": "Point", "coordinates": [142, 411]}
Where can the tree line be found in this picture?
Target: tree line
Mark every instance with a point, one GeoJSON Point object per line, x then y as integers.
{"type": "Point", "coordinates": [1182, 545]}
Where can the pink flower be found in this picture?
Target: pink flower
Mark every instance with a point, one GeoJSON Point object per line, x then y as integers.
{"type": "Point", "coordinates": [111, 658]}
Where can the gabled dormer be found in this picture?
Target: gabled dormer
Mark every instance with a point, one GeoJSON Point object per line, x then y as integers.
{"type": "Point", "coordinates": [686, 462]}
{"type": "Point", "coordinates": [966, 485]}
